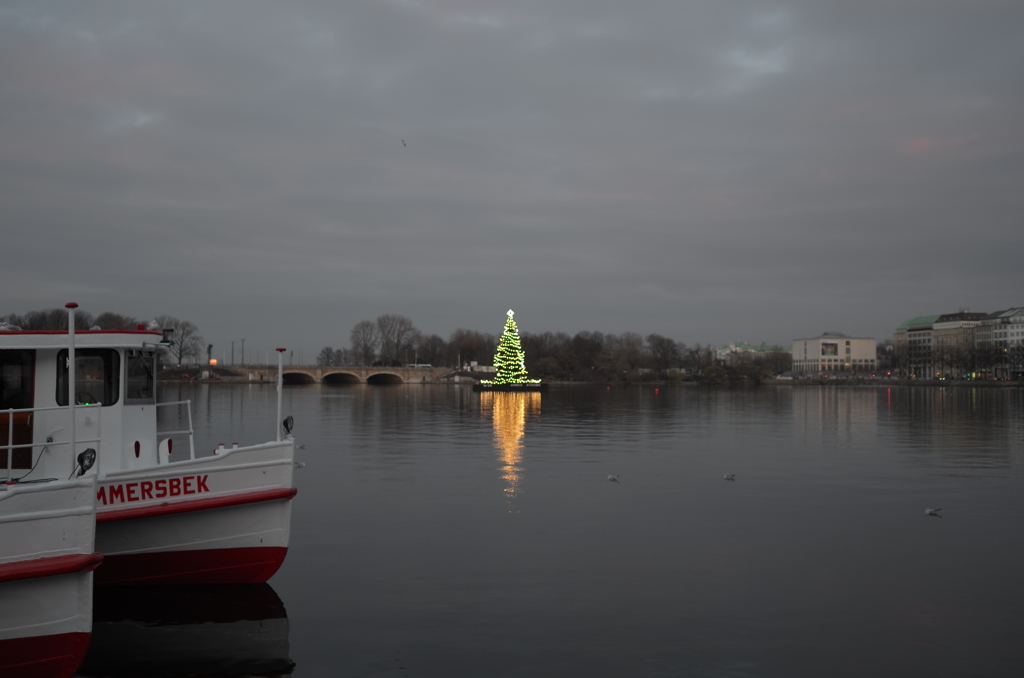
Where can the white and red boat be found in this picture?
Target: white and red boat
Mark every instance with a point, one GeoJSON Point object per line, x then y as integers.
{"type": "Point", "coordinates": [47, 533]}
{"type": "Point", "coordinates": [46, 563]}
{"type": "Point", "coordinates": [222, 518]}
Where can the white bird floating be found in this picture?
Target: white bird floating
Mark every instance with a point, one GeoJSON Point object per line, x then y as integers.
{"type": "Point", "coordinates": [300, 464]}
{"type": "Point", "coordinates": [613, 479]}
{"type": "Point", "coordinates": [730, 476]}
{"type": "Point", "coordinates": [932, 512]}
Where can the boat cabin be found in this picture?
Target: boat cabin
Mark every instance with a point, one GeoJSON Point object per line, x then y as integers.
{"type": "Point", "coordinates": [114, 397]}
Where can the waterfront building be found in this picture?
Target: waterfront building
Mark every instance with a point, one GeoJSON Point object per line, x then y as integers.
{"type": "Point", "coordinates": [953, 344]}
{"type": "Point", "coordinates": [833, 352]}
{"type": "Point", "coordinates": [962, 345]}
{"type": "Point", "coordinates": [999, 340]}
{"type": "Point", "coordinates": [912, 346]}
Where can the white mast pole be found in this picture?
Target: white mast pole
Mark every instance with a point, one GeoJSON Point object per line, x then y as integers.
{"type": "Point", "coordinates": [71, 379]}
{"type": "Point", "coordinates": [280, 381]}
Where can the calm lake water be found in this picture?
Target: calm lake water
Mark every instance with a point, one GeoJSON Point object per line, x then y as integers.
{"type": "Point", "coordinates": [441, 532]}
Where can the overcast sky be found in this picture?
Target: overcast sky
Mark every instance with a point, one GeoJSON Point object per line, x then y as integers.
{"type": "Point", "coordinates": [711, 171]}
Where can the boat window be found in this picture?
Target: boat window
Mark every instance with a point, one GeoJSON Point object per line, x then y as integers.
{"type": "Point", "coordinates": [97, 374]}
{"type": "Point", "coordinates": [16, 379]}
{"type": "Point", "coordinates": [138, 367]}
{"type": "Point", "coordinates": [16, 372]}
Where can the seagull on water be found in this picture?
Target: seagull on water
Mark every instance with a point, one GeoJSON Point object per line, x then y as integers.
{"type": "Point", "coordinates": [932, 512]}
{"type": "Point", "coordinates": [300, 464]}
{"type": "Point", "coordinates": [613, 479]}
{"type": "Point", "coordinates": [730, 476]}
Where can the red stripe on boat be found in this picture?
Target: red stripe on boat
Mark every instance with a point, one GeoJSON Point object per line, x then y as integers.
{"type": "Point", "coordinates": [50, 567]}
{"type": "Point", "coordinates": [254, 565]}
{"type": "Point", "coordinates": [169, 508]}
{"type": "Point", "coordinates": [55, 656]}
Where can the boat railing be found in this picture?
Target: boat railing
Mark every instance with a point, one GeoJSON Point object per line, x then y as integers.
{"type": "Point", "coordinates": [162, 436]}
{"type": "Point", "coordinates": [9, 418]}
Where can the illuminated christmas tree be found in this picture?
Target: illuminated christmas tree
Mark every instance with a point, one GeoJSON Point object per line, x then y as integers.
{"type": "Point", "coordinates": [510, 364]}
{"type": "Point", "coordinates": [510, 360]}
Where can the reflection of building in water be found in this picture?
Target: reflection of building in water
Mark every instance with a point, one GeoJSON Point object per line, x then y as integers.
{"type": "Point", "coordinates": [832, 413]}
{"type": "Point", "coordinates": [964, 428]}
{"type": "Point", "coordinates": [508, 413]}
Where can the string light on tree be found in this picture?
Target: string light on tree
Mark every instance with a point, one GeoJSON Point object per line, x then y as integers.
{"type": "Point", "coordinates": [510, 359]}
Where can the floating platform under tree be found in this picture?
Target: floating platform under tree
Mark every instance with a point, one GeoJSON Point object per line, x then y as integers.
{"type": "Point", "coordinates": [514, 388]}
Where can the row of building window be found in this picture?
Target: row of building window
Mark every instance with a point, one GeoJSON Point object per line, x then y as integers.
{"type": "Point", "coordinates": [859, 361]}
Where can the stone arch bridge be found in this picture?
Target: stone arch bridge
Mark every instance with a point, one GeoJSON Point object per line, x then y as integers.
{"type": "Point", "coordinates": [341, 375]}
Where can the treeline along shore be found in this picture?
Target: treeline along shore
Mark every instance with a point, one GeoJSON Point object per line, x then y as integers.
{"type": "Point", "coordinates": [587, 357]}
{"type": "Point", "coordinates": [393, 340]}
{"type": "Point", "coordinates": [239, 375]}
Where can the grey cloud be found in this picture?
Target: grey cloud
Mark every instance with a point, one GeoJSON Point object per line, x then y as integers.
{"type": "Point", "coordinates": [706, 170]}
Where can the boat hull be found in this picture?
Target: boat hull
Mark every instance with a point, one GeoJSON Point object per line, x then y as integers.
{"type": "Point", "coordinates": [45, 624]}
{"type": "Point", "coordinates": [52, 656]}
{"type": "Point", "coordinates": [46, 578]}
{"type": "Point", "coordinates": [219, 520]}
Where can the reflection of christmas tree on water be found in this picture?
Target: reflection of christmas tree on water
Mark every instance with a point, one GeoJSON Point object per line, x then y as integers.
{"type": "Point", "coordinates": [509, 412]}
{"type": "Point", "coordinates": [510, 363]}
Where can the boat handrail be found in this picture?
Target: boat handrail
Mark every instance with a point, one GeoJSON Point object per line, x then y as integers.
{"type": "Point", "coordinates": [11, 446]}
{"type": "Point", "coordinates": [17, 410]}
{"type": "Point", "coordinates": [190, 430]}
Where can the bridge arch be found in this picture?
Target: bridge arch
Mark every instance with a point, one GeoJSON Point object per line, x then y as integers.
{"type": "Point", "coordinates": [297, 378]}
{"type": "Point", "coordinates": [341, 379]}
{"type": "Point", "coordinates": [384, 378]}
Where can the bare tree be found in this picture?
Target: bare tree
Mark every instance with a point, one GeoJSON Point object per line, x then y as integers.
{"type": "Point", "coordinates": [187, 342]}
{"type": "Point", "coordinates": [364, 339]}
{"type": "Point", "coordinates": [884, 356]}
{"type": "Point", "coordinates": [547, 348]}
{"type": "Point", "coordinates": [586, 350]}
{"type": "Point", "coordinates": [622, 354]}
{"type": "Point", "coordinates": [431, 350]}
{"type": "Point", "coordinates": [466, 346]}
{"type": "Point", "coordinates": [332, 357]}
{"type": "Point", "coordinates": [776, 362]}
{"type": "Point", "coordinates": [115, 321]}
{"type": "Point", "coordinates": [49, 320]}
{"type": "Point", "coordinates": [746, 365]}
{"type": "Point", "coordinates": [395, 333]}
{"type": "Point", "coordinates": [664, 352]}
{"type": "Point", "coordinates": [700, 358]}
{"type": "Point", "coordinates": [326, 357]}
{"type": "Point", "coordinates": [409, 351]}
{"type": "Point", "coordinates": [54, 319]}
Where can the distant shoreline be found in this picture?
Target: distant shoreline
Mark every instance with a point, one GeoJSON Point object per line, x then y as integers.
{"type": "Point", "coordinates": [944, 383]}
{"type": "Point", "coordinates": [225, 376]}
